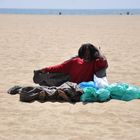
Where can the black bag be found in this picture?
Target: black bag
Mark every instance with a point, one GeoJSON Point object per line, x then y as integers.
{"type": "Point", "coordinates": [50, 79]}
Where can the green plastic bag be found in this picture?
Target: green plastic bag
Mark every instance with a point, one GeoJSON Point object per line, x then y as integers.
{"type": "Point", "coordinates": [89, 95]}
{"type": "Point", "coordinates": [120, 91]}
{"type": "Point", "coordinates": [117, 90]}
{"type": "Point", "coordinates": [123, 91]}
{"type": "Point", "coordinates": [103, 95]}
{"type": "Point", "coordinates": [92, 95]}
{"type": "Point", "coordinates": [131, 93]}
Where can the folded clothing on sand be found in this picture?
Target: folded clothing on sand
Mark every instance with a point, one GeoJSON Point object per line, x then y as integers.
{"type": "Point", "coordinates": [30, 93]}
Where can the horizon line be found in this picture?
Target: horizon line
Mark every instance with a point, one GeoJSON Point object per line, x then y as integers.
{"type": "Point", "coordinates": [73, 8]}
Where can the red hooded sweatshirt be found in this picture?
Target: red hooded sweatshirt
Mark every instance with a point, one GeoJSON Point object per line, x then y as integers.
{"type": "Point", "coordinates": [78, 69]}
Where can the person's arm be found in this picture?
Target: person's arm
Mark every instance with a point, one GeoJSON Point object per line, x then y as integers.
{"type": "Point", "coordinates": [64, 67]}
{"type": "Point", "coordinates": [100, 67]}
{"type": "Point", "coordinates": [101, 63]}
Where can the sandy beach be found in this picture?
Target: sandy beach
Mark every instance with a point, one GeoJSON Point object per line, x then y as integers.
{"type": "Point", "coordinates": [29, 42]}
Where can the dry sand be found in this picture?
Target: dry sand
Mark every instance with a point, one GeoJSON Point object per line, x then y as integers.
{"type": "Point", "coordinates": [29, 42]}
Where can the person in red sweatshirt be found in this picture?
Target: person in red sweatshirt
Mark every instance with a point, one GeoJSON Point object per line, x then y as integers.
{"type": "Point", "coordinates": [78, 69]}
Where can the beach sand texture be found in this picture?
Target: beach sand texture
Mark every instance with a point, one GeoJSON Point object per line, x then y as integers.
{"type": "Point", "coordinates": [29, 42]}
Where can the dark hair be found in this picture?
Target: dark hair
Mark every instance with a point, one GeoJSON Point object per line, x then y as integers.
{"type": "Point", "coordinates": [94, 52]}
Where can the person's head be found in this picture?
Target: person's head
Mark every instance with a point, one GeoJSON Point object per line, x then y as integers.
{"type": "Point", "coordinates": [88, 52]}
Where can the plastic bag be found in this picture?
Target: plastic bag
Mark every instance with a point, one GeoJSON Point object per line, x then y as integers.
{"type": "Point", "coordinates": [92, 95]}
{"type": "Point", "coordinates": [88, 84]}
{"type": "Point", "coordinates": [132, 92]}
{"type": "Point", "coordinates": [103, 95]}
{"type": "Point", "coordinates": [89, 95]}
{"type": "Point", "coordinates": [117, 90]}
{"type": "Point", "coordinates": [123, 91]}
{"type": "Point", "coordinates": [100, 82]}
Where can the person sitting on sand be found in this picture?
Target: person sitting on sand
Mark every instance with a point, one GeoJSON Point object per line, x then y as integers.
{"type": "Point", "coordinates": [78, 69]}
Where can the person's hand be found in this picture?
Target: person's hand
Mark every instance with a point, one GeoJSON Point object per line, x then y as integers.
{"type": "Point", "coordinates": [38, 71]}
